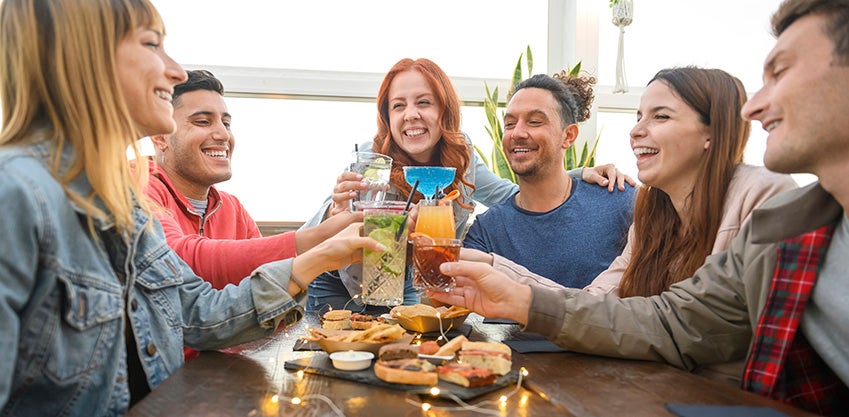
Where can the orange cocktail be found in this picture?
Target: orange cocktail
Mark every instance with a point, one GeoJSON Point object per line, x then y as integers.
{"type": "Point", "coordinates": [436, 221]}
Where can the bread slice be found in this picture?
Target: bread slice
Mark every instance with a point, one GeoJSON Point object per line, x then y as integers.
{"type": "Point", "coordinates": [496, 357]}
{"type": "Point", "coordinates": [337, 324]}
{"type": "Point", "coordinates": [337, 320]}
{"type": "Point", "coordinates": [497, 364]}
{"type": "Point", "coordinates": [465, 375]}
{"type": "Point", "coordinates": [453, 345]}
{"type": "Point", "coordinates": [406, 371]}
{"type": "Point", "coordinates": [394, 351]}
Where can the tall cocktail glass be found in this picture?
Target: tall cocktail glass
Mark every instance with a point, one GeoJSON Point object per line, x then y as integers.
{"type": "Point", "coordinates": [436, 220]}
{"type": "Point", "coordinates": [428, 255]}
{"type": "Point", "coordinates": [375, 169]}
{"type": "Point", "coordinates": [383, 272]}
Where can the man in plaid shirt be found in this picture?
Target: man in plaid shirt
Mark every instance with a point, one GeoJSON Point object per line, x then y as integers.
{"type": "Point", "coordinates": [778, 297]}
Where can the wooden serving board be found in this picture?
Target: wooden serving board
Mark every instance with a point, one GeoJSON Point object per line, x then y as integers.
{"type": "Point", "coordinates": [320, 364]}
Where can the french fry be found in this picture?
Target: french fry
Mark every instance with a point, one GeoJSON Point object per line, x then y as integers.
{"type": "Point", "coordinates": [380, 333]}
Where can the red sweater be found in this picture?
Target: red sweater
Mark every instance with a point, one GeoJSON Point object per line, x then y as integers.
{"type": "Point", "coordinates": [224, 246]}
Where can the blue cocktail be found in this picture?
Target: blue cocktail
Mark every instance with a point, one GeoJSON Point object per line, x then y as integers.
{"type": "Point", "coordinates": [432, 179]}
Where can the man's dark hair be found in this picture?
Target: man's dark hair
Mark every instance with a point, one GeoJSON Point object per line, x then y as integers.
{"type": "Point", "coordinates": [198, 80]}
{"type": "Point", "coordinates": [836, 13]}
{"type": "Point", "coordinates": [574, 93]}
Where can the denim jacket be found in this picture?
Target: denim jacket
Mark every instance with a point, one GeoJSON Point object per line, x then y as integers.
{"type": "Point", "coordinates": [66, 298]}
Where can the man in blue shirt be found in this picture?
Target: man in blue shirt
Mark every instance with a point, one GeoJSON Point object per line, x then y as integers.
{"type": "Point", "coordinates": [556, 226]}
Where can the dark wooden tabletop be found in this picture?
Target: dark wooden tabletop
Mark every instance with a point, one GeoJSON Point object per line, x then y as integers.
{"type": "Point", "coordinates": [250, 380]}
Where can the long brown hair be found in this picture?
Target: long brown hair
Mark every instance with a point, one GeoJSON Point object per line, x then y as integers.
{"type": "Point", "coordinates": [664, 254]}
{"type": "Point", "coordinates": [450, 151]}
{"type": "Point", "coordinates": [59, 82]}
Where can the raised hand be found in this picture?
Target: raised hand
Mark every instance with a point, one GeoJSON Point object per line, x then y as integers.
{"type": "Point", "coordinates": [344, 248]}
{"type": "Point", "coordinates": [345, 190]}
{"type": "Point", "coordinates": [485, 291]}
{"type": "Point", "coordinates": [307, 238]}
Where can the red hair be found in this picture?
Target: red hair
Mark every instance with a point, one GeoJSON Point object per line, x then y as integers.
{"type": "Point", "coordinates": [450, 151]}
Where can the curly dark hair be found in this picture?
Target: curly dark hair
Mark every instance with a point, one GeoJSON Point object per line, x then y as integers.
{"type": "Point", "coordinates": [574, 93]}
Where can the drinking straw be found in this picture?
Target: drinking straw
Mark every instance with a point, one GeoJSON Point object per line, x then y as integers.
{"type": "Point", "coordinates": [407, 210]}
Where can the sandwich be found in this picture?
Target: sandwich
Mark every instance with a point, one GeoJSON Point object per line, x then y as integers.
{"type": "Point", "coordinates": [496, 357]}
{"type": "Point", "coordinates": [365, 321]}
{"type": "Point", "coordinates": [394, 351]}
{"type": "Point", "coordinates": [337, 320]}
{"type": "Point", "coordinates": [465, 375]}
{"type": "Point", "coordinates": [453, 345]}
{"type": "Point", "coordinates": [399, 363]}
{"type": "Point", "coordinates": [406, 371]}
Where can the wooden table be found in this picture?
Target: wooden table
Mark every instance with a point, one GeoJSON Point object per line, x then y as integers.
{"type": "Point", "coordinates": [250, 380]}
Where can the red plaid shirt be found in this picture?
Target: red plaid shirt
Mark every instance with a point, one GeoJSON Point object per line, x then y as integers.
{"type": "Point", "coordinates": [782, 364]}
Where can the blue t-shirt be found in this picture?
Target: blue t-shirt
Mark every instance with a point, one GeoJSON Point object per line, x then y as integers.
{"type": "Point", "coordinates": [570, 244]}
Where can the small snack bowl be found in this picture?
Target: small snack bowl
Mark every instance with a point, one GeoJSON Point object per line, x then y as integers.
{"type": "Point", "coordinates": [351, 360]}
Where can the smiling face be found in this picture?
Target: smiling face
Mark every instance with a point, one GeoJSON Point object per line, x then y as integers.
{"type": "Point", "coordinates": [198, 154]}
{"type": "Point", "coordinates": [414, 115]}
{"type": "Point", "coordinates": [534, 136]}
{"type": "Point", "coordinates": [803, 104]}
{"type": "Point", "coordinates": [147, 76]}
{"type": "Point", "coordinates": [669, 140]}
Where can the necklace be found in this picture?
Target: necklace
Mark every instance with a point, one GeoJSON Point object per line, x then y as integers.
{"type": "Point", "coordinates": [566, 190]}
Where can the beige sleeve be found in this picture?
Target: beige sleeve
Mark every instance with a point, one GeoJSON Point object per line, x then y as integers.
{"type": "Point", "coordinates": [520, 274]}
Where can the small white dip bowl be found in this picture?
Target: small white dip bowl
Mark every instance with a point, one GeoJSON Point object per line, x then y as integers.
{"type": "Point", "coordinates": [351, 360]}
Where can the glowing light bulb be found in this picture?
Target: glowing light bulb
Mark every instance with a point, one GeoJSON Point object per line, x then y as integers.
{"type": "Point", "coordinates": [434, 391]}
{"type": "Point", "coordinates": [300, 374]}
{"type": "Point", "coordinates": [275, 398]}
{"type": "Point", "coordinates": [503, 399]}
{"type": "Point", "coordinates": [296, 401]}
{"type": "Point", "coordinates": [524, 371]}
{"type": "Point", "coordinates": [425, 406]}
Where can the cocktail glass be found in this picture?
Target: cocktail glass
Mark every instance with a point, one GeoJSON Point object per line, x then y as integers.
{"type": "Point", "coordinates": [428, 255]}
{"type": "Point", "coordinates": [383, 272]}
{"type": "Point", "coordinates": [375, 169]}
{"type": "Point", "coordinates": [436, 220]}
{"type": "Point", "coordinates": [432, 179]}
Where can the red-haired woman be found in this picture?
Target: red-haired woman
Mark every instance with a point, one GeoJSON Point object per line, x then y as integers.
{"type": "Point", "coordinates": [419, 125]}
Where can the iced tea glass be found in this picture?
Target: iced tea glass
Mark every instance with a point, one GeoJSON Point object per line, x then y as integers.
{"type": "Point", "coordinates": [428, 255]}
{"type": "Point", "coordinates": [383, 272]}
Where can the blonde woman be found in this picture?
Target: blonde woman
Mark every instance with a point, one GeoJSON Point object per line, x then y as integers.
{"type": "Point", "coordinates": [94, 306]}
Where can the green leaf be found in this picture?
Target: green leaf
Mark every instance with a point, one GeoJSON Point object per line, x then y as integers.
{"type": "Point", "coordinates": [481, 155]}
{"type": "Point", "coordinates": [576, 69]}
{"type": "Point", "coordinates": [530, 61]}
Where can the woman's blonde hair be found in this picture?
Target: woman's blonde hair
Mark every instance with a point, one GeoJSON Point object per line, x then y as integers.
{"type": "Point", "coordinates": [59, 82]}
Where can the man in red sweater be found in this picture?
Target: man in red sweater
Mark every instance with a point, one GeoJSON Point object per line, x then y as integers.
{"type": "Point", "coordinates": [208, 228]}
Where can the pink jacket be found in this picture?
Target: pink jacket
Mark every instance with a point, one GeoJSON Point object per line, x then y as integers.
{"type": "Point", "coordinates": [223, 247]}
{"type": "Point", "coordinates": [750, 186]}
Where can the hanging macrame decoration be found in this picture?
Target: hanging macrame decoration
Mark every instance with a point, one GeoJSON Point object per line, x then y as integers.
{"type": "Point", "coordinates": [623, 14]}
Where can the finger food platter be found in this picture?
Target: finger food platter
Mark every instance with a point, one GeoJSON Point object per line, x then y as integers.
{"type": "Point", "coordinates": [320, 364]}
